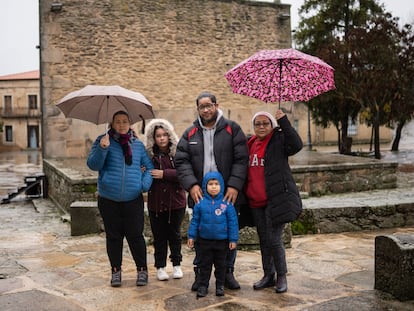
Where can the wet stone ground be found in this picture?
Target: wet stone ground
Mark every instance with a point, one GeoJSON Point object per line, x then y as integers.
{"type": "Point", "coordinates": [15, 166]}
{"type": "Point", "coordinates": [42, 267]}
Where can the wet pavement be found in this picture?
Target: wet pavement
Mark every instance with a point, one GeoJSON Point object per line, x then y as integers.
{"type": "Point", "coordinates": [15, 165]}
{"type": "Point", "coordinates": [43, 267]}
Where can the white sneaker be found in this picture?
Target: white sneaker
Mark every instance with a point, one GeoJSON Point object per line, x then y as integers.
{"type": "Point", "coordinates": [177, 273]}
{"type": "Point", "coordinates": [162, 274]}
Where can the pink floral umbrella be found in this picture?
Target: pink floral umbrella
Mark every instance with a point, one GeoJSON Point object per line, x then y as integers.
{"type": "Point", "coordinates": [281, 75]}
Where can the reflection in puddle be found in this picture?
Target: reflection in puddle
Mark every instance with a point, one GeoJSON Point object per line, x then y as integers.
{"type": "Point", "coordinates": [15, 166]}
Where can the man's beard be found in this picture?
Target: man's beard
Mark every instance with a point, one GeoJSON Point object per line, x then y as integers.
{"type": "Point", "coordinates": [209, 121]}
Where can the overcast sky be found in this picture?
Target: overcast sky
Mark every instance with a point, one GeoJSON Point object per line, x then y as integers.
{"type": "Point", "coordinates": [19, 26]}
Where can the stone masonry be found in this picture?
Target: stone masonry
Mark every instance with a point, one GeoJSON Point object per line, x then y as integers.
{"type": "Point", "coordinates": [168, 50]}
{"type": "Point", "coordinates": [394, 265]}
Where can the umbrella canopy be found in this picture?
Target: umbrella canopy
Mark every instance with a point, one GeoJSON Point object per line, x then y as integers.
{"type": "Point", "coordinates": [98, 103]}
{"type": "Point", "coordinates": [281, 75]}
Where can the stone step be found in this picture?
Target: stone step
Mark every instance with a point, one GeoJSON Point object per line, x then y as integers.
{"type": "Point", "coordinates": [367, 210]}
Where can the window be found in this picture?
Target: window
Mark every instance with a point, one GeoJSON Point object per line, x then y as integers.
{"type": "Point", "coordinates": [7, 103]}
{"type": "Point", "coordinates": [296, 125]}
{"type": "Point", "coordinates": [9, 133]}
{"type": "Point", "coordinates": [32, 101]}
{"type": "Point", "coordinates": [352, 128]}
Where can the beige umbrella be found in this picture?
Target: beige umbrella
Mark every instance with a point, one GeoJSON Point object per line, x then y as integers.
{"type": "Point", "coordinates": [98, 103]}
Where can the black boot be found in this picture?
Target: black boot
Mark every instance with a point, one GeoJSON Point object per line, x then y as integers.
{"type": "Point", "coordinates": [202, 291]}
{"type": "Point", "coordinates": [281, 284]}
{"type": "Point", "coordinates": [267, 281]}
{"type": "Point", "coordinates": [219, 291]}
{"type": "Point", "coordinates": [230, 282]}
{"type": "Point", "coordinates": [195, 285]}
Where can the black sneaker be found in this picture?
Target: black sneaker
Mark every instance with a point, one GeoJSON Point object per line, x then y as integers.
{"type": "Point", "coordinates": [116, 279]}
{"type": "Point", "coordinates": [142, 278]}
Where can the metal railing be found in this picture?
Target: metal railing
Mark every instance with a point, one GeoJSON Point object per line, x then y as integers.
{"type": "Point", "coordinates": [20, 112]}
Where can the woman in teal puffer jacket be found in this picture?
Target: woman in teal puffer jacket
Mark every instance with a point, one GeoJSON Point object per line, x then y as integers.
{"type": "Point", "coordinates": [124, 174]}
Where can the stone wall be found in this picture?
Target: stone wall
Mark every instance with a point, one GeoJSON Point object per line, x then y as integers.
{"type": "Point", "coordinates": [323, 179]}
{"type": "Point", "coordinates": [70, 181]}
{"type": "Point", "coordinates": [66, 185]}
{"type": "Point", "coordinates": [169, 50]}
{"type": "Point", "coordinates": [351, 218]}
{"type": "Point", "coordinates": [394, 265]}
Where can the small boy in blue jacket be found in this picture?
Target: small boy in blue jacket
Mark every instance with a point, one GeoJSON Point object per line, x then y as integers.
{"type": "Point", "coordinates": [215, 228]}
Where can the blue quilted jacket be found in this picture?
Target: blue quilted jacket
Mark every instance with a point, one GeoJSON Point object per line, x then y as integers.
{"type": "Point", "coordinates": [118, 181]}
{"type": "Point", "coordinates": [214, 219]}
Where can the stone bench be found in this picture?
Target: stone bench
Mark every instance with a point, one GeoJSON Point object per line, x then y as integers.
{"type": "Point", "coordinates": [85, 218]}
{"type": "Point", "coordinates": [394, 265]}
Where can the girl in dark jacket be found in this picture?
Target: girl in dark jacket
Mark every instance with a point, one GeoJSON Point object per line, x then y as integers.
{"type": "Point", "coordinates": [166, 198]}
{"type": "Point", "coordinates": [271, 190]}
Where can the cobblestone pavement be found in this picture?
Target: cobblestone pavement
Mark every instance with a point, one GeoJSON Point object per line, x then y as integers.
{"type": "Point", "coordinates": [42, 267]}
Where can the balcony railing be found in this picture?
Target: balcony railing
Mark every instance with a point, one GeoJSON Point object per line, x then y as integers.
{"type": "Point", "coordinates": [20, 113]}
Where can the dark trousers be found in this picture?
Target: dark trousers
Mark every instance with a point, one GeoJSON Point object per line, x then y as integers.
{"type": "Point", "coordinates": [166, 231]}
{"type": "Point", "coordinates": [124, 219]}
{"type": "Point", "coordinates": [229, 260]}
{"type": "Point", "coordinates": [212, 252]}
{"type": "Point", "coordinates": [271, 243]}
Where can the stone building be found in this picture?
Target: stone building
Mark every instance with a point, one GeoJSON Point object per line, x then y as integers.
{"type": "Point", "coordinates": [169, 50]}
{"type": "Point", "coordinates": [20, 111]}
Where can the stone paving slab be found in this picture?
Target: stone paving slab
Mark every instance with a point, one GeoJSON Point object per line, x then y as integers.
{"type": "Point", "coordinates": [42, 267]}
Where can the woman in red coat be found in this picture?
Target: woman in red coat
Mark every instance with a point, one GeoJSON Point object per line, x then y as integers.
{"type": "Point", "coordinates": [271, 191]}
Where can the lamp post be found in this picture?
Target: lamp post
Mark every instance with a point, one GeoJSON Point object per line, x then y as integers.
{"type": "Point", "coordinates": [309, 131]}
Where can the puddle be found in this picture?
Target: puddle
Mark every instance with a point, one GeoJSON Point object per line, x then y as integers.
{"type": "Point", "coordinates": [15, 166]}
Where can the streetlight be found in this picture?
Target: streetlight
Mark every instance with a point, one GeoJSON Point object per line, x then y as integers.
{"type": "Point", "coordinates": [309, 131]}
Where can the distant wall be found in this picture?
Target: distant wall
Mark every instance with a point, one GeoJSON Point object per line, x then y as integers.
{"type": "Point", "coordinates": [169, 50]}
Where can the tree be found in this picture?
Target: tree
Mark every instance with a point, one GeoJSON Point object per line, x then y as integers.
{"type": "Point", "coordinates": [324, 31]}
{"type": "Point", "coordinates": [403, 103]}
{"type": "Point", "coordinates": [374, 70]}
